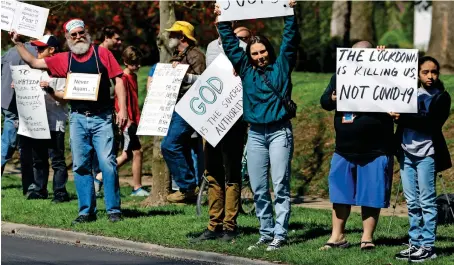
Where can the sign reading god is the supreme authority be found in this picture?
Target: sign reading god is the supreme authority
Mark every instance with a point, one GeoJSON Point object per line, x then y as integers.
{"type": "Point", "coordinates": [30, 102]}
{"type": "Point", "coordinates": [82, 86]}
{"type": "Point", "coordinates": [215, 102]}
{"type": "Point", "coordinates": [371, 80]}
{"type": "Point", "coordinates": [251, 9]}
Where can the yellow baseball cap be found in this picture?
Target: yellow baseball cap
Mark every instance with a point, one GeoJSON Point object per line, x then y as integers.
{"type": "Point", "coordinates": [185, 27]}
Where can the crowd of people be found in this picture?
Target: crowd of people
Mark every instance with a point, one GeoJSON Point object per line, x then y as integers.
{"type": "Point", "coordinates": [361, 167]}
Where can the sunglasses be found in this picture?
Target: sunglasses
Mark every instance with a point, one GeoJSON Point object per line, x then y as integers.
{"type": "Point", "coordinates": [80, 33]}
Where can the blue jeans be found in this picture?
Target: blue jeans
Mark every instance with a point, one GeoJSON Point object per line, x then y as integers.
{"type": "Point", "coordinates": [91, 134]}
{"type": "Point", "coordinates": [418, 180]}
{"type": "Point", "coordinates": [271, 145]}
{"type": "Point", "coordinates": [9, 135]}
{"type": "Point", "coordinates": [176, 150]}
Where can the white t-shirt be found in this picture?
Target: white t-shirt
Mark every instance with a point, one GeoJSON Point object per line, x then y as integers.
{"type": "Point", "coordinates": [57, 113]}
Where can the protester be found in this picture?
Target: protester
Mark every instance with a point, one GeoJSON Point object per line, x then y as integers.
{"type": "Point", "coordinates": [131, 144]}
{"type": "Point", "coordinates": [363, 155]}
{"type": "Point", "coordinates": [422, 154]}
{"type": "Point", "coordinates": [176, 146]}
{"type": "Point", "coordinates": [90, 121]}
{"type": "Point", "coordinates": [57, 114]}
{"type": "Point", "coordinates": [223, 171]}
{"type": "Point", "coordinates": [270, 138]}
{"type": "Point", "coordinates": [10, 139]}
{"type": "Point", "coordinates": [110, 38]}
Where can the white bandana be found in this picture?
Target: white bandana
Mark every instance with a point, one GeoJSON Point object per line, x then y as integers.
{"type": "Point", "coordinates": [75, 23]}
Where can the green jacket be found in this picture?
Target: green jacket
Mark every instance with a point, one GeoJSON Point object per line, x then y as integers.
{"type": "Point", "coordinates": [260, 104]}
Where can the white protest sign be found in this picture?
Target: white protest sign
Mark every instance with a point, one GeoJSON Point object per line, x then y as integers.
{"type": "Point", "coordinates": [215, 102]}
{"type": "Point", "coordinates": [30, 101]}
{"type": "Point", "coordinates": [8, 10]}
{"type": "Point", "coordinates": [82, 86]}
{"type": "Point", "coordinates": [369, 80]}
{"type": "Point", "coordinates": [25, 19]}
{"type": "Point", "coordinates": [251, 9]}
{"type": "Point", "coordinates": [161, 98]}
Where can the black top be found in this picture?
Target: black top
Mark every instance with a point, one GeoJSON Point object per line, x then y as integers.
{"type": "Point", "coordinates": [431, 124]}
{"type": "Point", "coordinates": [370, 134]}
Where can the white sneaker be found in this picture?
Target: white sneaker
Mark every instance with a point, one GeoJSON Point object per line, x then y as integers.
{"type": "Point", "coordinates": [140, 193]}
{"type": "Point", "coordinates": [275, 244]}
{"type": "Point", "coordinates": [262, 242]}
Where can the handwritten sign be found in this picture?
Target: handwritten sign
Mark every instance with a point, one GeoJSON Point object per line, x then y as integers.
{"type": "Point", "coordinates": [7, 16]}
{"type": "Point", "coordinates": [161, 98]}
{"type": "Point", "coordinates": [82, 86]}
{"type": "Point", "coordinates": [30, 101]}
{"type": "Point", "coordinates": [25, 19]}
{"type": "Point", "coordinates": [215, 102]}
{"type": "Point", "coordinates": [369, 80]}
{"type": "Point", "coordinates": [251, 9]}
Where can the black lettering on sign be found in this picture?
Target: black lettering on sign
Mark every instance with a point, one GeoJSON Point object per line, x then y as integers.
{"type": "Point", "coordinates": [410, 72]}
{"type": "Point", "coordinates": [341, 70]}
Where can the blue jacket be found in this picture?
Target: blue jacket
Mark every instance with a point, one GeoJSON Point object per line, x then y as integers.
{"type": "Point", "coordinates": [260, 104]}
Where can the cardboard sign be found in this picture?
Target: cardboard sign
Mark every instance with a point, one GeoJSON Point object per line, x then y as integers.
{"type": "Point", "coordinates": [215, 102]}
{"type": "Point", "coordinates": [251, 9]}
{"type": "Point", "coordinates": [82, 86]}
{"type": "Point", "coordinates": [30, 101]}
{"type": "Point", "coordinates": [161, 98]}
{"type": "Point", "coordinates": [25, 19]}
{"type": "Point", "coordinates": [369, 80]}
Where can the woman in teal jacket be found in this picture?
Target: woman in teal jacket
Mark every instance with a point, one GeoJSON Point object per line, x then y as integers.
{"type": "Point", "coordinates": [270, 138]}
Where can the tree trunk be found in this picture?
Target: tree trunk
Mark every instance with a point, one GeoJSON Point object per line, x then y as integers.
{"type": "Point", "coordinates": [361, 21]}
{"type": "Point", "coordinates": [160, 186]}
{"type": "Point", "coordinates": [340, 21]}
{"type": "Point", "coordinates": [441, 45]}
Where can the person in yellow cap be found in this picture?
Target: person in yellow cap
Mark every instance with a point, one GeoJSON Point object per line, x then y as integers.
{"type": "Point", "coordinates": [176, 146]}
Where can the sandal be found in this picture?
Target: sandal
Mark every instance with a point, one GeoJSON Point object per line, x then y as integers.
{"type": "Point", "coordinates": [328, 245]}
{"type": "Point", "coordinates": [369, 245]}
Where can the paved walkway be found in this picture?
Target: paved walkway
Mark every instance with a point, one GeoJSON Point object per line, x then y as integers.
{"type": "Point", "coordinates": [303, 201]}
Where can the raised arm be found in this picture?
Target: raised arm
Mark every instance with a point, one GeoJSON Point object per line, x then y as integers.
{"type": "Point", "coordinates": [26, 55]}
{"type": "Point", "coordinates": [290, 41]}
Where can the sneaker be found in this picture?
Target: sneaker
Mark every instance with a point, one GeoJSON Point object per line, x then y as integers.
{"type": "Point", "coordinates": [207, 235]}
{"type": "Point", "coordinates": [60, 197]}
{"type": "Point", "coordinates": [182, 197]}
{"type": "Point", "coordinates": [275, 244]}
{"type": "Point", "coordinates": [262, 242]}
{"type": "Point", "coordinates": [229, 235]}
{"type": "Point", "coordinates": [84, 219]}
{"type": "Point", "coordinates": [34, 195]}
{"type": "Point", "coordinates": [423, 253]}
{"type": "Point", "coordinates": [140, 193]}
{"type": "Point", "coordinates": [405, 254]}
{"type": "Point", "coordinates": [98, 186]}
{"type": "Point", "coordinates": [114, 217]}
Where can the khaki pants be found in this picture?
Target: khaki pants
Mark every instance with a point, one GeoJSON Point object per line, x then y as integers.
{"type": "Point", "coordinates": [223, 171]}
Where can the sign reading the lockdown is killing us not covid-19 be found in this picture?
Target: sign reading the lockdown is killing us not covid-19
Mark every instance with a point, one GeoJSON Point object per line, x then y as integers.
{"type": "Point", "coordinates": [161, 98]}
{"type": "Point", "coordinates": [252, 9]}
{"type": "Point", "coordinates": [25, 19]}
{"type": "Point", "coordinates": [371, 80]}
{"type": "Point", "coordinates": [215, 102]}
{"type": "Point", "coordinates": [30, 101]}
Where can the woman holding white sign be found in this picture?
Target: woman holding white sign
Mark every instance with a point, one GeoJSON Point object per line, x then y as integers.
{"type": "Point", "coordinates": [422, 154]}
{"type": "Point", "coordinates": [267, 107]}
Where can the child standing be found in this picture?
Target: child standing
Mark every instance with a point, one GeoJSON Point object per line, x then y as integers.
{"type": "Point", "coordinates": [422, 153]}
{"type": "Point", "coordinates": [132, 147]}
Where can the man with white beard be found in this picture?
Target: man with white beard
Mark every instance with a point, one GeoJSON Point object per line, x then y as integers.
{"type": "Point", "coordinates": [90, 121]}
{"type": "Point", "coordinates": [176, 146]}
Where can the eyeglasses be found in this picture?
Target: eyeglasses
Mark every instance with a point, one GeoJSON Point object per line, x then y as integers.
{"type": "Point", "coordinates": [80, 33]}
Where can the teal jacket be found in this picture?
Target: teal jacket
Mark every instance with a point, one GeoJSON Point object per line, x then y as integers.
{"type": "Point", "coordinates": [260, 104]}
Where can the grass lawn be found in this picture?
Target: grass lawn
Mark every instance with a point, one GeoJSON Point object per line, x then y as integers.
{"type": "Point", "coordinates": [173, 225]}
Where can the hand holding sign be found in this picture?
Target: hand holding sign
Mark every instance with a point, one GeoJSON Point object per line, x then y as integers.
{"type": "Point", "coordinates": [242, 9]}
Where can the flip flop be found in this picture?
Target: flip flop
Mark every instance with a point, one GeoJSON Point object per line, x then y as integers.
{"type": "Point", "coordinates": [367, 246]}
{"type": "Point", "coordinates": [328, 245]}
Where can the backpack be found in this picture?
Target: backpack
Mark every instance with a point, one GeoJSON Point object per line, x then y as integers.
{"type": "Point", "coordinates": [445, 211]}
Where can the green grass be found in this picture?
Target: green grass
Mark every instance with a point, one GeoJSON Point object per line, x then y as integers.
{"type": "Point", "coordinates": [173, 225]}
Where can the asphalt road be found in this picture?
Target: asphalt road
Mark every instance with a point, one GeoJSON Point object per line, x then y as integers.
{"type": "Point", "coordinates": [25, 251]}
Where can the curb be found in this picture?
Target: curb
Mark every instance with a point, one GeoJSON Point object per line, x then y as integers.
{"type": "Point", "coordinates": [125, 245]}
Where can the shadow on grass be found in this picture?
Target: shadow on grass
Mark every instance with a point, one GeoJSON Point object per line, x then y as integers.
{"type": "Point", "coordinates": [133, 213]}
{"type": "Point", "coordinates": [445, 251]}
{"type": "Point", "coordinates": [12, 186]}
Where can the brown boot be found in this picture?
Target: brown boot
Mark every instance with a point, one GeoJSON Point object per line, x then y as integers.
{"type": "Point", "coordinates": [182, 197]}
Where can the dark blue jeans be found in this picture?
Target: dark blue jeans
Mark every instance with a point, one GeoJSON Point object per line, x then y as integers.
{"type": "Point", "coordinates": [176, 150]}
